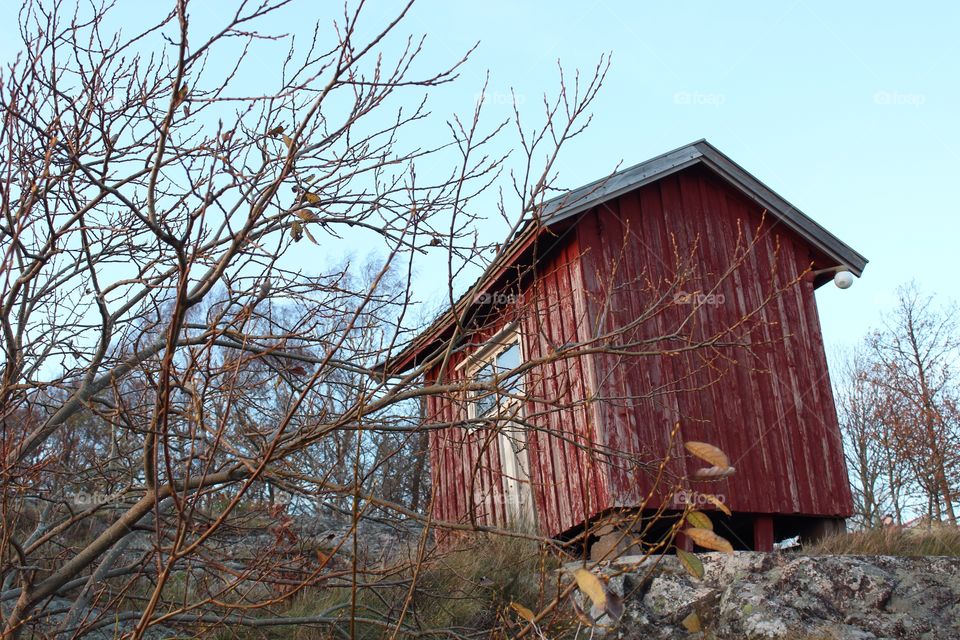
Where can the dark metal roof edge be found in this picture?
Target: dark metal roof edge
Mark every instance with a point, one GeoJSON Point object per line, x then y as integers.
{"type": "Point", "coordinates": [616, 184]}
{"type": "Point", "coordinates": [803, 224]}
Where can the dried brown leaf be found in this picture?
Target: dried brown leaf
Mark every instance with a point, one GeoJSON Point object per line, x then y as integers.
{"type": "Point", "coordinates": [692, 623]}
{"type": "Point", "coordinates": [523, 612]}
{"type": "Point", "coordinates": [306, 215]}
{"type": "Point", "coordinates": [709, 453]}
{"type": "Point", "coordinates": [717, 502]}
{"type": "Point", "coordinates": [708, 539]}
{"type": "Point", "coordinates": [592, 587]}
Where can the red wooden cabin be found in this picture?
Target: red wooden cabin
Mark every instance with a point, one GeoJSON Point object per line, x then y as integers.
{"type": "Point", "coordinates": [679, 291]}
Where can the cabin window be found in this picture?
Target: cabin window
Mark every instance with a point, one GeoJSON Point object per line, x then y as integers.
{"type": "Point", "coordinates": [499, 407]}
{"type": "Point", "coordinates": [492, 366]}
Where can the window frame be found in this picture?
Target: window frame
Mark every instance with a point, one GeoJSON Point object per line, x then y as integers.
{"type": "Point", "coordinates": [486, 355]}
{"type": "Point", "coordinates": [506, 417]}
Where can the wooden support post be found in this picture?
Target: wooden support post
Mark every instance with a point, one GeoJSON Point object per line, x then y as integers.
{"type": "Point", "coordinates": [763, 533]}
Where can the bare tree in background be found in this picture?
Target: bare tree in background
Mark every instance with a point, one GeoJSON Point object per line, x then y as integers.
{"type": "Point", "coordinates": [916, 354]}
{"type": "Point", "coordinates": [879, 477]}
{"type": "Point", "coordinates": [897, 400]}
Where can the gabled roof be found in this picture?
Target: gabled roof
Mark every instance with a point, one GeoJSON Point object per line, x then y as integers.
{"type": "Point", "coordinates": [702, 152]}
{"type": "Point", "coordinates": [595, 193]}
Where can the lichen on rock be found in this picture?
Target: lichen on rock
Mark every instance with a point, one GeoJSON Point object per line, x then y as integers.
{"type": "Point", "coordinates": [769, 596]}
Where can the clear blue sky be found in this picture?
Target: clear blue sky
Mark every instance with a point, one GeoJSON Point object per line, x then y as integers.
{"type": "Point", "coordinates": [849, 110]}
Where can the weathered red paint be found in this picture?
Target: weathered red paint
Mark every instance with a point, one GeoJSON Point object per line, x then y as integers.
{"type": "Point", "coordinates": [763, 533]}
{"type": "Point", "coordinates": [767, 404]}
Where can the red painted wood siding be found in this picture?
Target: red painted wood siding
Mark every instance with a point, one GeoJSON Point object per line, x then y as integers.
{"type": "Point", "coordinates": [768, 405]}
{"type": "Point", "coordinates": [567, 481]}
{"type": "Point", "coordinates": [465, 463]}
{"type": "Point", "coordinates": [568, 472]}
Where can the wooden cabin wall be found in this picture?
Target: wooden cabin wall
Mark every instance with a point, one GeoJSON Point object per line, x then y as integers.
{"type": "Point", "coordinates": [465, 463]}
{"type": "Point", "coordinates": [567, 468]}
{"type": "Point", "coordinates": [767, 403]}
{"type": "Point", "coordinates": [567, 484]}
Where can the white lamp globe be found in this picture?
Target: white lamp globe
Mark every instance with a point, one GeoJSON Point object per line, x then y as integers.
{"type": "Point", "coordinates": [843, 279]}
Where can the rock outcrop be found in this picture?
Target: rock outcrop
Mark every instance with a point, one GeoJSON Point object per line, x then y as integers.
{"type": "Point", "coordinates": [789, 596]}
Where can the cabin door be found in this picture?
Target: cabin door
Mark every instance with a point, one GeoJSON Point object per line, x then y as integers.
{"type": "Point", "coordinates": [517, 490]}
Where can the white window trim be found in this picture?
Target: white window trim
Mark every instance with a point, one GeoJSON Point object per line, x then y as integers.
{"type": "Point", "coordinates": [485, 355]}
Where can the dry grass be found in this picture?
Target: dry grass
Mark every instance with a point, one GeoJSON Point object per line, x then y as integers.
{"type": "Point", "coordinates": [459, 593]}
{"type": "Point", "coordinates": [935, 541]}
